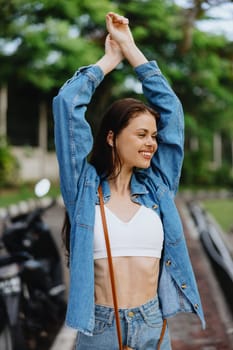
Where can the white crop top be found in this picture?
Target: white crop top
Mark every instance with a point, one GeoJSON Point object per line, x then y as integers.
{"type": "Point", "coordinates": [141, 236]}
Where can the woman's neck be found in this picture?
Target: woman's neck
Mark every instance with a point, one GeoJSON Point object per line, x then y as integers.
{"type": "Point", "coordinates": [121, 183]}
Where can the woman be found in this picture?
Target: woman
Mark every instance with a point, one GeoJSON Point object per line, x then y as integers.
{"type": "Point", "coordinates": [137, 159]}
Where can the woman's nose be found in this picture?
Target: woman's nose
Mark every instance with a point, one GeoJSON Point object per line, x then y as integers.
{"type": "Point", "coordinates": [150, 141]}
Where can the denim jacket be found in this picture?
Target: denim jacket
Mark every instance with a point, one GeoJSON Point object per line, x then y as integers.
{"type": "Point", "coordinates": [154, 187]}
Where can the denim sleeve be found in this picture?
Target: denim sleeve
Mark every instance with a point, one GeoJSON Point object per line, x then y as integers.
{"type": "Point", "coordinates": [167, 161]}
{"type": "Point", "coordinates": [73, 136]}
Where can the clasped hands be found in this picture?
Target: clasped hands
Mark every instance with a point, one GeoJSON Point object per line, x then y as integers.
{"type": "Point", "coordinates": [119, 44]}
{"type": "Point", "coordinates": [119, 36]}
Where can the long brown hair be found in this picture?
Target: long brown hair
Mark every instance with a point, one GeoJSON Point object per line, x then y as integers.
{"type": "Point", "coordinates": [116, 118]}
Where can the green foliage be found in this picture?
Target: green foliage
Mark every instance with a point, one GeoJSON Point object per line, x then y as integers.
{"type": "Point", "coordinates": [202, 87]}
{"type": "Point", "coordinates": [194, 170]}
{"type": "Point", "coordinates": [223, 176]}
{"type": "Point", "coordinates": [52, 38]}
{"type": "Point", "coordinates": [8, 166]}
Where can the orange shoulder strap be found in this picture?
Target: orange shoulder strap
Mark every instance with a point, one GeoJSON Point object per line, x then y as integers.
{"type": "Point", "coordinates": [112, 279]}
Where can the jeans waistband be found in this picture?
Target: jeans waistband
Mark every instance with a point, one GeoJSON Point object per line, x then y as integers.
{"type": "Point", "coordinates": [108, 312]}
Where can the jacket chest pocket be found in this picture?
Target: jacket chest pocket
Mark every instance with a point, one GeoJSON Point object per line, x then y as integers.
{"type": "Point", "coordinates": [85, 207]}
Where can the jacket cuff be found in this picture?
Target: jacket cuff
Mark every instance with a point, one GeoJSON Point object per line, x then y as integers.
{"type": "Point", "coordinates": [94, 72]}
{"type": "Point", "coordinates": [147, 69]}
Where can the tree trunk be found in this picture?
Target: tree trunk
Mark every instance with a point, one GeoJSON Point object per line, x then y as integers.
{"type": "Point", "coordinates": [194, 143]}
{"type": "Point", "coordinates": [43, 135]}
{"type": "Point", "coordinates": [217, 150]}
{"type": "Point", "coordinates": [3, 113]}
{"type": "Point", "coordinates": [190, 15]}
{"type": "Point", "coordinates": [232, 156]}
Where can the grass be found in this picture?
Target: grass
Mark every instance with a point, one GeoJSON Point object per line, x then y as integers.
{"type": "Point", "coordinates": [23, 192]}
{"type": "Point", "coordinates": [222, 211]}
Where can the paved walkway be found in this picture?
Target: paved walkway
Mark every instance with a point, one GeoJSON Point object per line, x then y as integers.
{"type": "Point", "coordinates": [186, 330]}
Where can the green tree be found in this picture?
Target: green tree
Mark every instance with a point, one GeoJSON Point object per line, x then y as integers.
{"type": "Point", "coordinates": [204, 68]}
{"type": "Point", "coordinates": [42, 43]}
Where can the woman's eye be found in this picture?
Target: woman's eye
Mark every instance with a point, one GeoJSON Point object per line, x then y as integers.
{"type": "Point", "coordinates": [141, 135]}
{"type": "Point", "coordinates": [155, 137]}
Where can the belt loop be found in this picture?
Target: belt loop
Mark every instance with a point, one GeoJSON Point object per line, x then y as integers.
{"type": "Point", "coordinates": [111, 317]}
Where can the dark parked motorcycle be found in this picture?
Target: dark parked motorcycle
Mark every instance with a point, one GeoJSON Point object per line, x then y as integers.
{"type": "Point", "coordinates": [32, 301]}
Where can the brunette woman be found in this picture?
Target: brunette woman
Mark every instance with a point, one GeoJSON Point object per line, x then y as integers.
{"type": "Point", "coordinates": [136, 159]}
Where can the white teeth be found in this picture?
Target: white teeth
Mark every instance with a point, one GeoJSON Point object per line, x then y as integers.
{"type": "Point", "coordinates": [146, 154]}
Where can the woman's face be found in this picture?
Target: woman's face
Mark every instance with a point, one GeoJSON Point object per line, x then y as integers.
{"type": "Point", "coordinates": [136, 143]}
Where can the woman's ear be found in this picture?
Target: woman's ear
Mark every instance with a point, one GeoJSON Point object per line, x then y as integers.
{"type": "Point", "coordinates": [110, 138]}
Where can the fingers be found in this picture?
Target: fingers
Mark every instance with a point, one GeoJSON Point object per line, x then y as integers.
{"type": "Point", "coordinates": [109, 40]}
{"type": "Point", "coordinates": [117, 19]}
{"type": "Point", "coordinates": [112, 42]}
{"type": "Point", "coordinates": [108, 37]}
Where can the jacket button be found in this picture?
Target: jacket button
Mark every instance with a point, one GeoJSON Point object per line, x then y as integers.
{"type": "Point", "coordinates": [155, 206]}
{"type": "Point", "coordinates": [168, 262]}
{"type": "Point", "coordinates": [183, 286]}
{"type": "Point", "coordinates": [196, 306]}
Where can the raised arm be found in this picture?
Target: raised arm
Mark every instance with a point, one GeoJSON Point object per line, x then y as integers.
{"type": "Point", "coordinates": [118, 27]}
{"type": "Point", "coordinates": [112, 57]}
{"type": "Point", "coordinates": [73, 137]}
{"type": "Point", "coordinates": [167, 161]}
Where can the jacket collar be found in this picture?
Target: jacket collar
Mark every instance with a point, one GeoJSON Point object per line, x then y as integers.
{"type": "Point", "coordinates": [137, 187]}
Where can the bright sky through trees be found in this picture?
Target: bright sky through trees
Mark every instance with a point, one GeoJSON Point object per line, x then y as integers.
{"type": "Point", "coordinates": [221, 21]}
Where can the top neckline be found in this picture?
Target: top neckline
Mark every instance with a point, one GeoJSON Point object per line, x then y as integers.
{"type": "Point", "coordinates": [122, 221]}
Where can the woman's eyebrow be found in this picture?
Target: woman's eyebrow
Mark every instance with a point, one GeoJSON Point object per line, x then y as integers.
{"type": "Point", "coordinates": [146, 130]}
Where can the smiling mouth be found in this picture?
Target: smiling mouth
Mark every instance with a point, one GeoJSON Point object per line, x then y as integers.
{"type": "Point", "coordinates": [147, 155]}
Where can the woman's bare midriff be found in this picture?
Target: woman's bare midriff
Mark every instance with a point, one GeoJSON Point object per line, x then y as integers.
{"type": "Point", "coordinates": [136, 281]}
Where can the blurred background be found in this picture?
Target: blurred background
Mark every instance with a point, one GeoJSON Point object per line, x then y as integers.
{"type": "Point", "coordinates": [42, 44]}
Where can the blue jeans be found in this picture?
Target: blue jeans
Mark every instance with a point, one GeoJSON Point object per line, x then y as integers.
{"type": "Point", "coordinates": [141, 328]}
